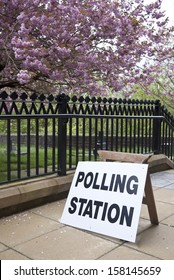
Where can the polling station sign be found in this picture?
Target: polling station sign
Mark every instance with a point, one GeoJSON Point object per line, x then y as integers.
{"type": "Point", "coordinates": [106, 197]}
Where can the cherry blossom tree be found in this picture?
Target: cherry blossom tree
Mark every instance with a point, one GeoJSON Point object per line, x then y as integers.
{"type": "Point", "coordinates": [80, 46]}
{"type": "Point", "coordinates": [162, 77]}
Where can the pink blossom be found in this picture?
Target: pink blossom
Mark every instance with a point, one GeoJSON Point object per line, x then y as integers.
{"type": "Point", "coordinates": [23, 77]}
{"type": "Point", "coordinates": [87, 46]}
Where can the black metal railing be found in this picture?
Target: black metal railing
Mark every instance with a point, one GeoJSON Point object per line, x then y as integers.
{"type": "Point", "coordinates": [42, 135]}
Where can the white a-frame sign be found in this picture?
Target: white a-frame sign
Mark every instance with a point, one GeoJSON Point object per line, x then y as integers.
{"type": "Point", "coordinates": [106, 197]}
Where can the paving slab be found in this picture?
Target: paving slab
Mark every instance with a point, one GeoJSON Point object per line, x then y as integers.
{"type": "Point", "coordinates": [3, 247]}
{"type": "Point", "coordinates": [19, 228]}
{"type": "Point", "coordinates": [66, 243]}
{"type": "Point", "coordinates": [162, 179]}
{"type": "Point", "coordinates": [164, 210]}
{"type": "Point", "coordinates": [157, 241]}
{"type": "Point", "coordinates": [143, 225]}
{"type": "Point", "coordinates": [10, 254]}
{"type": "Point", "coordinates": [165, 195]}
{"type": "Point", "coordinates": [52, 210]}
{"type": "Point", "coordinates": [171, 186]}
{"type": "Point", "coordinates": [169, 221]}
{"type": "Point", "coordinates": [126, 253]}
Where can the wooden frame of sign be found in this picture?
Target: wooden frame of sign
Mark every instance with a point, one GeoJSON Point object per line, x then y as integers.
{"type": "Point", "coordinates": [148, 198]}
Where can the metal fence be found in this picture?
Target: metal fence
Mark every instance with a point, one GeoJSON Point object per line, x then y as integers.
{"type": "Point", "coordinates": [42, 135]}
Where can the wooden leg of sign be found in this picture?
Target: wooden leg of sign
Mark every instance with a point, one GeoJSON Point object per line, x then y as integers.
{"type": "Point", "coordinates": [150, 202]}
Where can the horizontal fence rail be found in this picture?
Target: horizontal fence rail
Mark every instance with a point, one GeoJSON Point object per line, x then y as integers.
{"type": "Point", "coordinates": [41, 135]}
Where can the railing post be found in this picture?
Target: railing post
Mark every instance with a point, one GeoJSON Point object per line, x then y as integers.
{"type": "Point", "coordinates": [62, 135]}
{"type": "Point", "coordinates": [156, 140]}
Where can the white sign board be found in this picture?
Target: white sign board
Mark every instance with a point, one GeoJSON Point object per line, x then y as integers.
{"type": "Point", "coordinates": [106, 197]}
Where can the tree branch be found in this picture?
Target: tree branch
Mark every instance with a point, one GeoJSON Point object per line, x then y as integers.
{"type": "Point", "coordinates": [11, 84]}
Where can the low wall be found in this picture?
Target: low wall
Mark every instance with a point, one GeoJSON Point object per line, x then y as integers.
{"type": "Point", "coordinates": [23, 195]}
{"type": "Point", "coordinates": [81, 142]}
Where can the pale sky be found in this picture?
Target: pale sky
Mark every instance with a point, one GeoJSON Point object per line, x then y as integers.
{"type": "Point", "coordinates": [168, 6]}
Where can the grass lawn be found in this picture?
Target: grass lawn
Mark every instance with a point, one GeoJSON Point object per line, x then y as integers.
{"type": "Point", "coordinates": [41, 160]}
{"type": "Point", "coordinates": [23, 160]}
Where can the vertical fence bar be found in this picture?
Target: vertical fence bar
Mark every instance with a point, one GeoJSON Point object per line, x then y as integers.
{"type": "Point", "coordinates": [126, 135]}
{"type": "Point", "coordinates": [106, 140]}
{"type": "Point", "coordinates": [138, 136]}
{"type": "Point", "coordinates": [112, 135]}
{"type": "Point", "coordinates": [83, 138]}
{"type": "Point", "coordinates": [172, 146]}
{"type": "Point", "coordinates": [130, 135]}
{"type": "Point", "coordinates": [142, 136]}
{"type": "Point", "coordinates": [28, 147]}
{"type": "Point", "coordinates": [62, 136]}
{"type": "Point", "coordinates": [121, 135]}
{"type": "Point", "coordinates": [95, 137]}
{"type": "Point", "coordinates": [135, 135]}
{"type": "Point", "coordinates": [150, 135]}
{"type": "Point", "coordinates": [169, 143]}
{"type": "Point", "coordinates": [70, 135]}
{"type": "Point", "coordinates": [19, 148]}
{"type": "Point", "coordinates": [46, 146]}
{"type": "Point", "coordinates": [9, 147]}
{"type": "Point", "coordinates": [53, 144]}
{"type": "Point", "coordinates": [90, 143]}
{"type": "Point", "coordinates": [156, 129]}
{"type": "Point", "coordinates": [101, 134]}
{"type": "Point", "coordinates": [77, 140]}
{"type": "Point", "coordinates": [37, 145]}
{"type": "Point", "coordinates": [145, 136]}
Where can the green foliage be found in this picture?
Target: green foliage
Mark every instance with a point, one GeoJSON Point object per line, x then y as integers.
{"type": "Point", "coordinates": [23, 161]}
{"type": "Point", "coordinates": [153, 92]}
